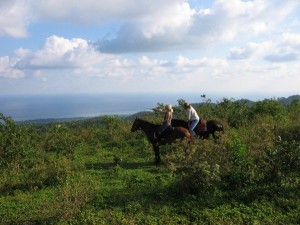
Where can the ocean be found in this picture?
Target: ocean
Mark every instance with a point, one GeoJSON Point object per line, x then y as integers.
{"type": "Point", "coordinates": [31, 107]}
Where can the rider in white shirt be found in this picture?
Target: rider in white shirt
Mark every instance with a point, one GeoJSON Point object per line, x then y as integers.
{"type": "Point", "coordinates": [192, 117]}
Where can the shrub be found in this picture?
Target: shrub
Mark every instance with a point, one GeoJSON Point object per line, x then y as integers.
{"type": "Point", "coordinates": [114, 132]}
{"type": "Point", "coordinates": [197, 167]}
{"type": "Point", "coordinates": [235, 112]}
{"type": "Point", "coordinates": [50, 172]}
{"type": "Point", "coordinates": [283, 162]}
{"type": "Point", "coordinates": [242, 170]}
{"type": "Point", "coordinates": [268, 107]}
{"type": "Point", "coordinates": [73, 197]}
{"type": "Point", "coordinates": [18, 146]}
{"type": "Point", "coordinates": [61, 140]}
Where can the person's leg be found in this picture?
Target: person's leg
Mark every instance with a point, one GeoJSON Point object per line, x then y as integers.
{"type": "Point", "coordinates": [192, 127]}
{"type": "Point", "coordinates": [161, 129]}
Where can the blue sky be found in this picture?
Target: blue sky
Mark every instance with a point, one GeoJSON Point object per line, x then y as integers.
{"type": "Point", "coordinates": [235, 47]}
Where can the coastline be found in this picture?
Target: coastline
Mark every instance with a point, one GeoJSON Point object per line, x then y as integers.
{"type": "Point", "coordinates": [69, 106]}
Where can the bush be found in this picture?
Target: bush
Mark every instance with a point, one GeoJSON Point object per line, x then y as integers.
{"type": "Point", "coordinates": [268, 107]}
{"type": "Point", "coordinates": [73, 196]}
{"type": "Point", "coordinates": [197, 167]}
{"type": "Point", "coordinates": [61, 140]}
{"type": "Point", "coordinates": [18, 146]}
{"type": "Point", "coordinates": [46, 173]}
{"type": "Point", "coordinates": [283, 163]}
{"type": "Point", "coordinates": [235, 112]}
{"type": "Point", "coordinates": [241, 171]}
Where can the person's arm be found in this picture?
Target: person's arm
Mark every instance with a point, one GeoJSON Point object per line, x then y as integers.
{"type": "Point", "coordinates": [188, 114]}
{"type": "Point", "coordinates": [158, 110]}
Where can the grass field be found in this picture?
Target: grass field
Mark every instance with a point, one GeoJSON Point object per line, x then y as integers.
{"type": "Point", "coordinates": [98, 172]}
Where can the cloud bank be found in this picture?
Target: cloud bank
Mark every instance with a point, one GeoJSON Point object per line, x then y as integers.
{"type": "Point", "coordinates": [241, 45]}
{"type": "Point", "coordinates": [153, 25]}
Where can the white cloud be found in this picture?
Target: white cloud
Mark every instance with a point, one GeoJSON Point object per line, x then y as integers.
{"type": "Point", "coordinates": [60, 53]}
{"type": "Point", "coordinates": [291, 39]}
{"type": "Point", "coordinates": [176, 19]}
{"type": "Point", "coordinates": [57, 53]}
{"type": "Point", "coordinates": [181, 61]}
{"type": "Point", "coordinates": [251, 50]}
{"type": "Point", "coordinates": [145, 61]}
{"type": "Point", "coordinates": [80, 58]}
{"type": "Point", "coordinates": [99, 12]}
{"type": "Point", "coordinates": [260, 43]}
{"type": "Point", "coordinates": [282, 48]}
{"type": "Point", "coordinates": [240, 53]}
{"type": "Point", "coordinates": [7, 69]}
{"type": "Point", "coordinates": [285, 48]}
{"type": "Point", "coordinates": [236, 8]}
{"type": "Point", "coordinates": [14, 18]}
{"type": "Point", "coordinates": [154, 25]}
{"type": "Point", "coordinates": [178, 26]}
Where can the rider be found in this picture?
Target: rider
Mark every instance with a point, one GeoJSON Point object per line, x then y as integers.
{"type": "Point", "coordinates": [167, 119]}
{"type": "Point", "coordinates": [192, 117]}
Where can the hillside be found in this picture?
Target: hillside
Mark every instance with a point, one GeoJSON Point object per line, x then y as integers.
{"type": "Point", "coordinates": [289, 100]}
{"type": "Point", "coordinates": [96, 171]}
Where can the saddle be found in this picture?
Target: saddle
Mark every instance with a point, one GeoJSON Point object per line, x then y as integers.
{"type": "Point", "coordinates": [163, 132]}
{"type": "Point", "coordinates": [201, 126]}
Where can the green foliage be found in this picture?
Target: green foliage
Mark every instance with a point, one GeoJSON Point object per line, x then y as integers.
{"type": "Point", "coordinates": [239, 150]}
{"type": "Point", "coordinates": [284, 159]}
{"type": "Point", "coordinates": [17, 144]}
{"type": "Point", "coordinates": [98, 172]}
{"type": "Point", "coordinates": [294, 110]}
{"type": "Point", "coordinates": [207, 109]}
{"type": "Point", "coordinates": [242, 170]}
{"type": "Point", "coordinates": [196, 172]}
{"type": "Point", "coordinates": [248, 156]}
{"type": "Point", "coordinates": [61, 140]}
{"type": "Point", "coordinates": [268, 107]}
{"type": "Point", "coordinates": [50, 172]}
{"type": "Point", "coordinates": [235, 112]}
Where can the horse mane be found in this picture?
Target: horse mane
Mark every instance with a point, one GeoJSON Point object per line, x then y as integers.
{"type": "Point", "coordinates": [147, 122]}
{"type": "Point", "coordinates": [179, 123]}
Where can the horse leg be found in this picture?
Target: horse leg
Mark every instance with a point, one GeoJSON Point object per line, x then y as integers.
{"type": "Point", "coordinates": [216, 138]}
{"type": "Point", "coordinates": [156, 152]}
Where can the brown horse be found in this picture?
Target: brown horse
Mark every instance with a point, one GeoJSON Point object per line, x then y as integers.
{"type": "Point", "coordinates": [212, 126]}
{"type": "Point", "coordinates": [150, 130]}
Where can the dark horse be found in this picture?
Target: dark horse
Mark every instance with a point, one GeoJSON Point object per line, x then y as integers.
{"type": "Point", "coordinates": [150, 130]}
{"type": "Point", "coordinates": [211, 127]}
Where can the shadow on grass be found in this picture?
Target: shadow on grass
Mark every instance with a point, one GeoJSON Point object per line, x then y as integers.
{"type": "Point", "coordinates": [125, 165]}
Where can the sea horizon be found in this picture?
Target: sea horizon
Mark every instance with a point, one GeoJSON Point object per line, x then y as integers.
{"type": "Point", "coordinates": [57, 106]}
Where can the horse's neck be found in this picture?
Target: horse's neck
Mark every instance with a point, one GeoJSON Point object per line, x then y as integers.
{"type": "Point", "coordinates": [148, 128]}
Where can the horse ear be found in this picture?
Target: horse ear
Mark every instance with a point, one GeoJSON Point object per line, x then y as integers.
{"type": "Point", "coordinates": [135, 117]}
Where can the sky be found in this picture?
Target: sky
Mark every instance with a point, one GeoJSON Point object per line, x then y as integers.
{"type": "Point", "coordinates": [237, 47]}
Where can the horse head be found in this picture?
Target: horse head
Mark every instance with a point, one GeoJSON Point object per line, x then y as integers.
{"type": "Point", "coordinates": [136, 125]}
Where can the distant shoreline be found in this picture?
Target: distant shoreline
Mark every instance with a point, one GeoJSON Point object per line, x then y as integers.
{"type": "Point", "coordinates": [68, 107]}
